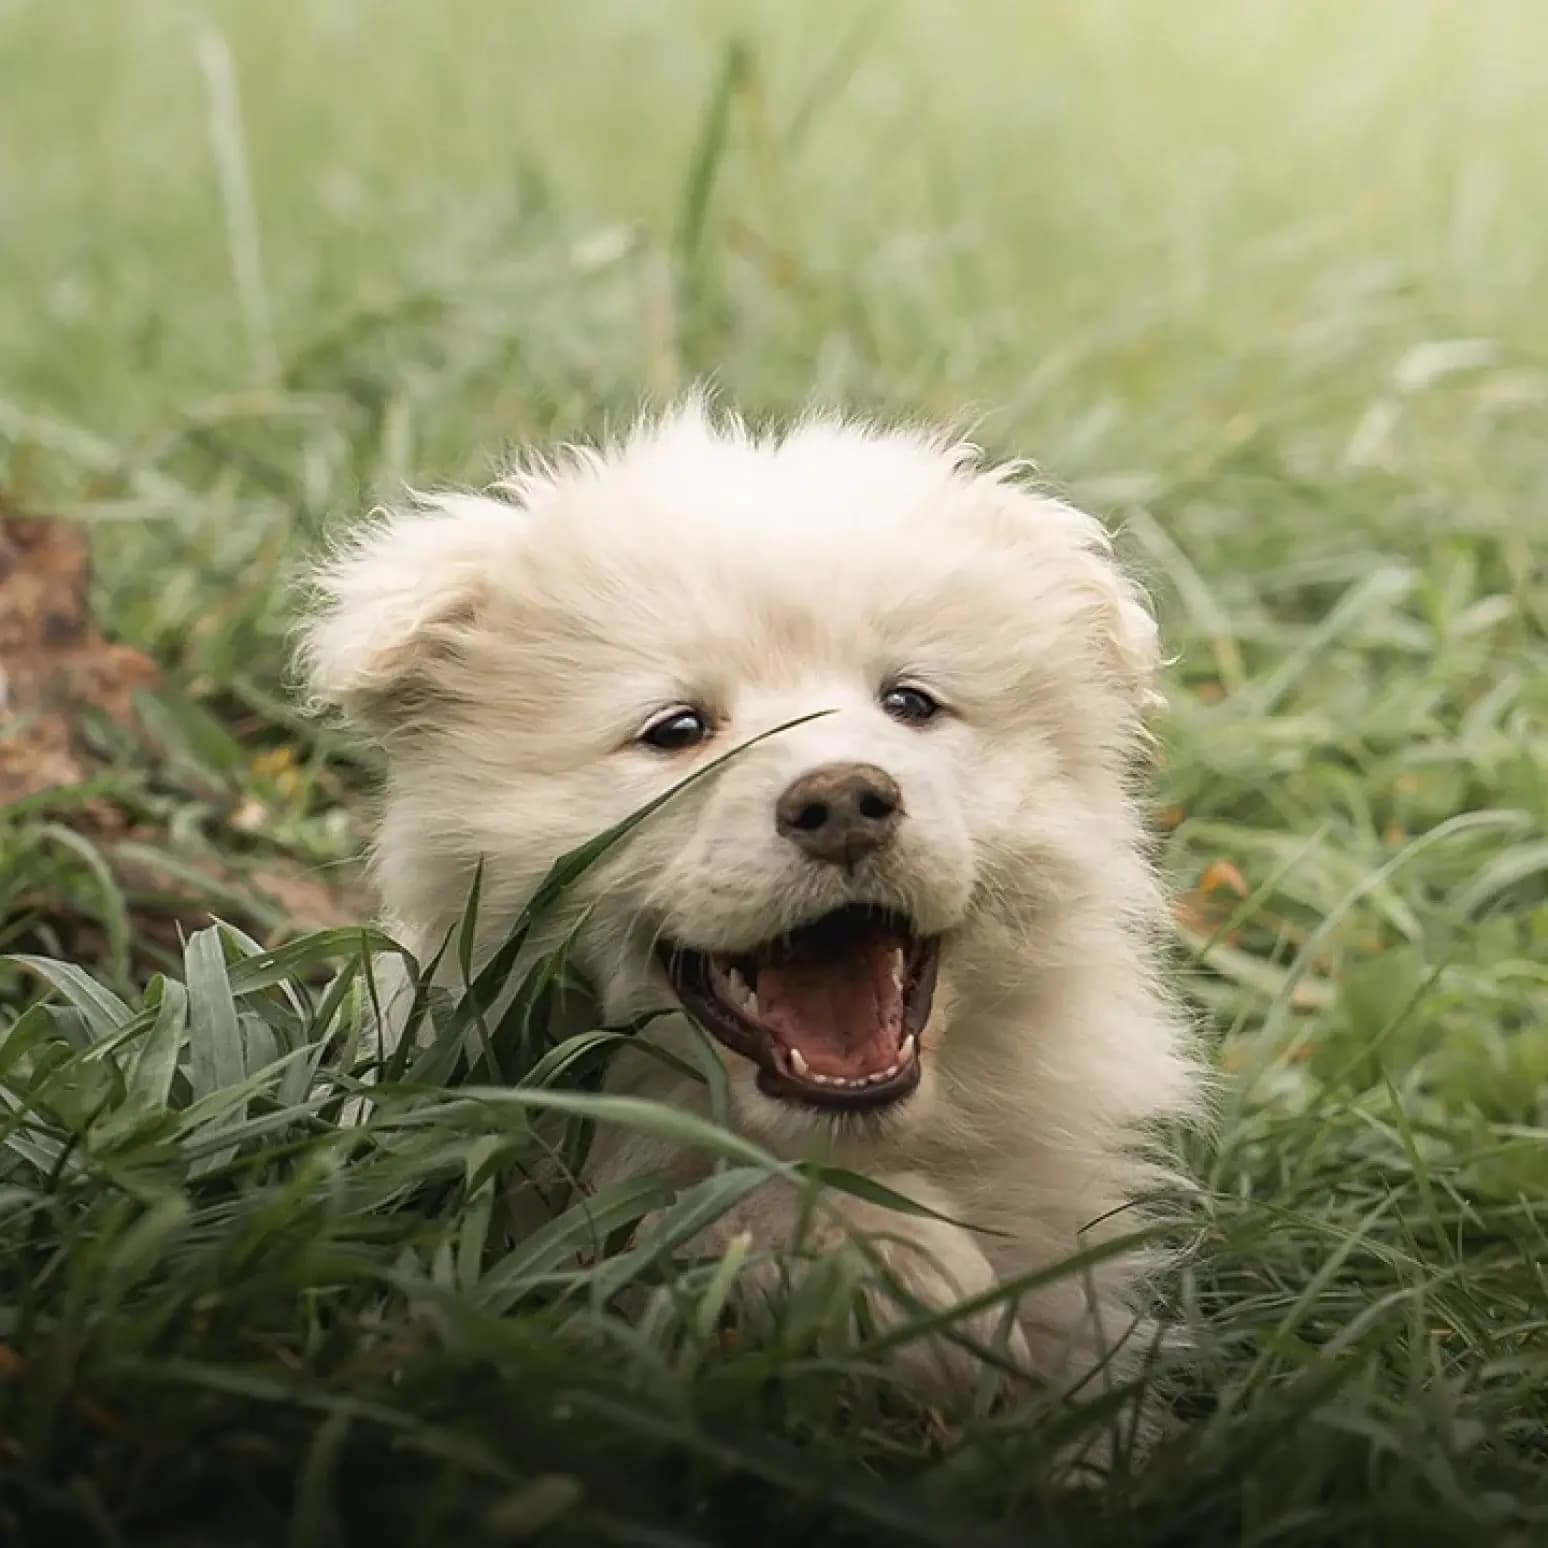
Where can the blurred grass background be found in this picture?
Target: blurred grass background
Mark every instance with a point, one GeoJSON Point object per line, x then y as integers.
{"type": "Point", "coordinates": [1262, 283]}
{"type": "Point", "coordinates": [1153, 250]}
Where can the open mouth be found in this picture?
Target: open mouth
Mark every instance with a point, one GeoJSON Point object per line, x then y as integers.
{"type": "Point", "coordinates": [831, 1013]}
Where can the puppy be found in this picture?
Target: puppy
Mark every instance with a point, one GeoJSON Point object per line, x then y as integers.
{"type": "Point", "coordinates": [915, 911]}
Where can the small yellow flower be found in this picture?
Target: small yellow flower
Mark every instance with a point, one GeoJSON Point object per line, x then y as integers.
{"type": "Point", "coordinates": [278, 765]}
{"type": "Point", "coordinates": [275, 761]}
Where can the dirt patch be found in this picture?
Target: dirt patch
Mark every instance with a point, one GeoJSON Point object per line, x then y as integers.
{"type": "Point", "coordinates": [53, 661]}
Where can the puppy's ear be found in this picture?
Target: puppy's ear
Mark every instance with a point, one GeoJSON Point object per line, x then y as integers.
{"type": "Point", "coordinates": [1122, 629]}
{"type": "Point", "coordinates": [1125, 625]}
{"type": "Point", "coordinates": [394, 606]}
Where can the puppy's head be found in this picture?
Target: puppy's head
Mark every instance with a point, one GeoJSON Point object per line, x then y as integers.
{"type": "Point", "coordinates": [930, 679]}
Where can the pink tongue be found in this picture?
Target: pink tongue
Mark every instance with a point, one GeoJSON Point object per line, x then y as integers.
{"type": "Point", "coordinates": [842, 1011]}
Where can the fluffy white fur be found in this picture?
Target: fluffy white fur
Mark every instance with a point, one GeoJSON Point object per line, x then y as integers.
{"type": "Point", "coordinates": [507, 648]}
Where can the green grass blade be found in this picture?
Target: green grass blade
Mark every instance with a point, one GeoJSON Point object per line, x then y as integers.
{"type": "Point", "coordinates": [217, 1060]}
{"type": "Point", "coordinates": [155, 1064]}
{"type": "Point", "coordinates": [101, 1010]}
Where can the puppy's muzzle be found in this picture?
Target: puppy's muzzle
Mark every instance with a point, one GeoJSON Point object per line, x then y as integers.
{"type": "Point", "coordinates": [840, 813]}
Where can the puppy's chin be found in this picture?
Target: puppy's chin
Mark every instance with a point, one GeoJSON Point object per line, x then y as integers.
{"type": "Point", "coordinates": [796, 1131]}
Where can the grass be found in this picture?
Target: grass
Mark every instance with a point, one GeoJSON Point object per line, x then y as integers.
{"type": "Point", "coordinates": [1261, 283]}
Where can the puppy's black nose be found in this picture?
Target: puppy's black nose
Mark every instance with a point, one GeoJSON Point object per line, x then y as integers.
{"type": "Point", "coordinates": [841, 812]}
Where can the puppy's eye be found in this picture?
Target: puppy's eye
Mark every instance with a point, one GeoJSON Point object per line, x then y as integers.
{"type": "Point", "coordinates": [677, 730]}
{"type": "Point", "coordinates": [913, 706]}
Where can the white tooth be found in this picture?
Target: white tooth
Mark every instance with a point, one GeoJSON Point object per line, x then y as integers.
{"type": "Point", "coordinates": [909, 1050]}
{"type": "Point", "coordinates": [797, 1063]}
{"type": "Point", "coordinates": [897, 967]}
{"type": "Point", "coordinates": [822, 1080]}
{"type": "Point", "coordinates": [877, 1078]}
{"type": "Point", "coordinates": [741, 993]}
{"type": "Point", "coordinates": [889, 1072]}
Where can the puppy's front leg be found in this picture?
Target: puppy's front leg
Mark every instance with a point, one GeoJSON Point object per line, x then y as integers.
{"type": "Point", "coordinates": [904, 1265]}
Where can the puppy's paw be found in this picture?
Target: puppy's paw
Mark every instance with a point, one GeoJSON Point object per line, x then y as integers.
{"type": "Point", "coordinates": [925, 1268]}
{"type": "Point", "coordinates": [895, 1270]}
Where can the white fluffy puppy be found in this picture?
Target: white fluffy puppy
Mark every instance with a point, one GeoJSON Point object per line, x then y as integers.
{"type": "Point", "coordinates": [920, 923]}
